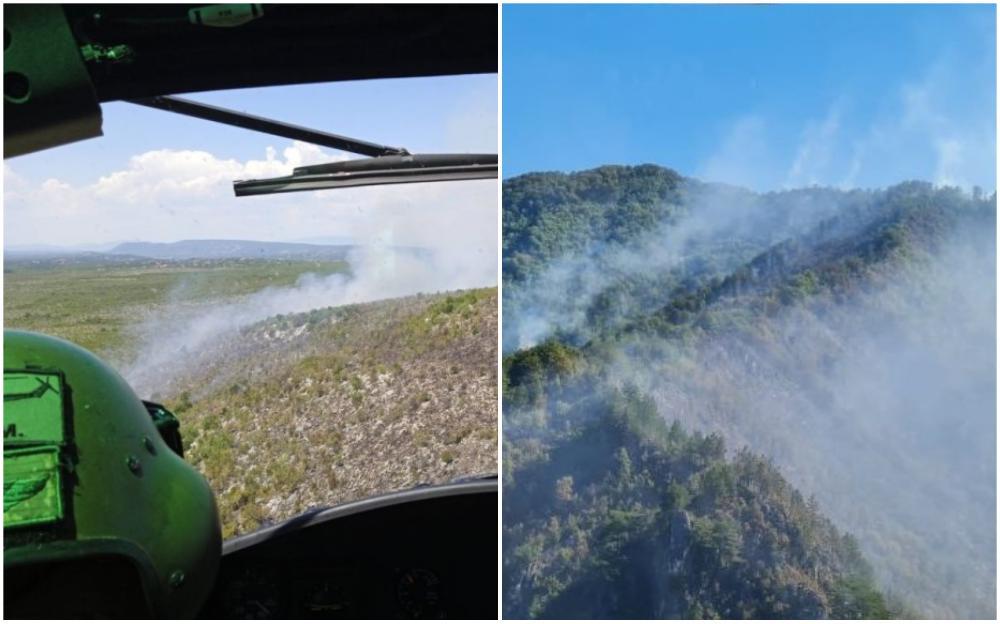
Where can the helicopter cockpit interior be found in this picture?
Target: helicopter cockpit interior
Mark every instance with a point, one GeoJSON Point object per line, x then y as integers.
{"type": "Point", "coordinates": [425, 552]}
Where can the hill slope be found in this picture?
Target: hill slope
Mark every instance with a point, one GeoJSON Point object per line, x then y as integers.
{"type": "Point", "coordinates": [284, 412]}
{"type": "Point", "coordinates": [332, 405]}
{"type": "Point", "coordinates": [631, 518]}
{"type": "Point", "coordinates": [847, 336]}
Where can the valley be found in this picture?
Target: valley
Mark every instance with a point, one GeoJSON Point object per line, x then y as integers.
{"type": "Point", "coordinates": [283, 412]}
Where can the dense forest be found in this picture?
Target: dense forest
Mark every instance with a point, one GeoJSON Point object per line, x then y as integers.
{"type": "Point", "coordinates": [844, 339]}
{"type": "Point", "coordinates": [631, 518]}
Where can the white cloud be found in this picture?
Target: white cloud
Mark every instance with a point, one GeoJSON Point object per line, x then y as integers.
{"type": "Point", "coordinates": [169, 194]}
{"type": "Point", "coordinates": [12, 181]}
{"type": "Point", "coordinates": [168, 174]}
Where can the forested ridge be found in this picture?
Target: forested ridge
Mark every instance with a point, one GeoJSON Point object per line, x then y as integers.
{"type": "Point", "coordinates": [839, 337]}
{"type": "Point", "coordinates": [629, 517]}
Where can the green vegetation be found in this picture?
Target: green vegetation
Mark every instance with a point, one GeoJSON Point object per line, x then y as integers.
{"type": "Point", "coordinates": [95, 303]}
{"type": "Point", "coordinates": [369, 398]}
{"type": "Point", "coordinates": [527, 373]}
{"type": "Point", "coordinates": [298, 410]}
{"type": "Point", "coordinates": [546, 215]}
{"type": "Point", "coordinates": [752, 327]}
{"type": "Point", "coordinates": [446, 319]}
{"type": "Point", "coordinates": [630, 517]}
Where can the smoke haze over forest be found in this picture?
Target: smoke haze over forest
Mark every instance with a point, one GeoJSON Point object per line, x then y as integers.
{"type": "Point", "coordinates": [848, 336]}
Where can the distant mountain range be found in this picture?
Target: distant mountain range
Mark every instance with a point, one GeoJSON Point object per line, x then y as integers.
{"type": "Point", "coordinates": [208, 249]}
{"type": "Point", "coordinates": [212, 249]}
{"type": "Point", "coordinates": [21, 251]}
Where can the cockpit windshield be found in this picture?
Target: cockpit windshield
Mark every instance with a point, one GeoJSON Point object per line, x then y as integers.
{"type": "Point", "coordinates": [316, 347]}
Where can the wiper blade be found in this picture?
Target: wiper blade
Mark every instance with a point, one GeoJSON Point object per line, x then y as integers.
{"type": "Point", "coordinates": [397, 169]}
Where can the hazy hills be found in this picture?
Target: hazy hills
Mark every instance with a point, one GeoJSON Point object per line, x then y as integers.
{"type": "Point", "coordinates": [848, 336]}
{"type": "Point", "coordinates": [196, 249]}
{"type": "Point", "coordinates": [187, 249]}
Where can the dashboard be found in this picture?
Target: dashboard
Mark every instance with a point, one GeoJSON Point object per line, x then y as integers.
{"type": "Point", "coordinates": [430, 552]}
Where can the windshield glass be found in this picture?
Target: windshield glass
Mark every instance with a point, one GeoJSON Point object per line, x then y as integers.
{"type": "Point", "coordinates": [317, 347]}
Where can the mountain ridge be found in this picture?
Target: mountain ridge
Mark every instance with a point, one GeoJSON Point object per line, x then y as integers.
{"type": "Point", "coordinates": [770, 318]}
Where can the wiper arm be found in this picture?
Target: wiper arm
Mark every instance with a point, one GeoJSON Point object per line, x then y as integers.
{"type": "Point", "coordinates": [269, 126]}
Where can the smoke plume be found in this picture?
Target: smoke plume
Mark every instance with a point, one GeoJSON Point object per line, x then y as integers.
{"type": "Point", "coordinates": [176, 336]}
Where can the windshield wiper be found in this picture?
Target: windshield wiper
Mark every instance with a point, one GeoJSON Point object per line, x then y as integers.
{"type": "Point", "coordinates": [385, 165]}
{"type": "Point", "coordinates": [371, 171]}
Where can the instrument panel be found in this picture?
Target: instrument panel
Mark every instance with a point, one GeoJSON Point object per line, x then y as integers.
{"type": "Point", "coordinates": [346, 592]}
{"type": "Point", "coordinates": [426, 553]}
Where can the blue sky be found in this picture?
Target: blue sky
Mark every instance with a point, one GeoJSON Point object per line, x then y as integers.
{"type": "Point", "coordinates": [763, 96]}
{"type": "Point", "coordinates": [421, 114]}
{"type": "Point", "coordinates": [159, 176]}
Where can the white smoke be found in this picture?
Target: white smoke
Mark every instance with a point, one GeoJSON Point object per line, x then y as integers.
{"type": "Point", "coordinates": [881, 404]}
{"type": "Point", "coordinates": [559, 298]}
{"type": "Point", "coordinates": [175, 334]}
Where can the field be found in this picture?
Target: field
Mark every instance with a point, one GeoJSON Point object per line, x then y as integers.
{"type": "Point", "coordinates": [297, 410]}
{"type": "Point", "coordinates": [94, 302]}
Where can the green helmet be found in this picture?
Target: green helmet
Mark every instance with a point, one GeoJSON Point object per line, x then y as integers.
{"type": "Point", "coordinates": [101, 517]}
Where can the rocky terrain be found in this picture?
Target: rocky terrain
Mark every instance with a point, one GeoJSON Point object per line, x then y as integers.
{"type": "Point", "coordinates": [314, 409]}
